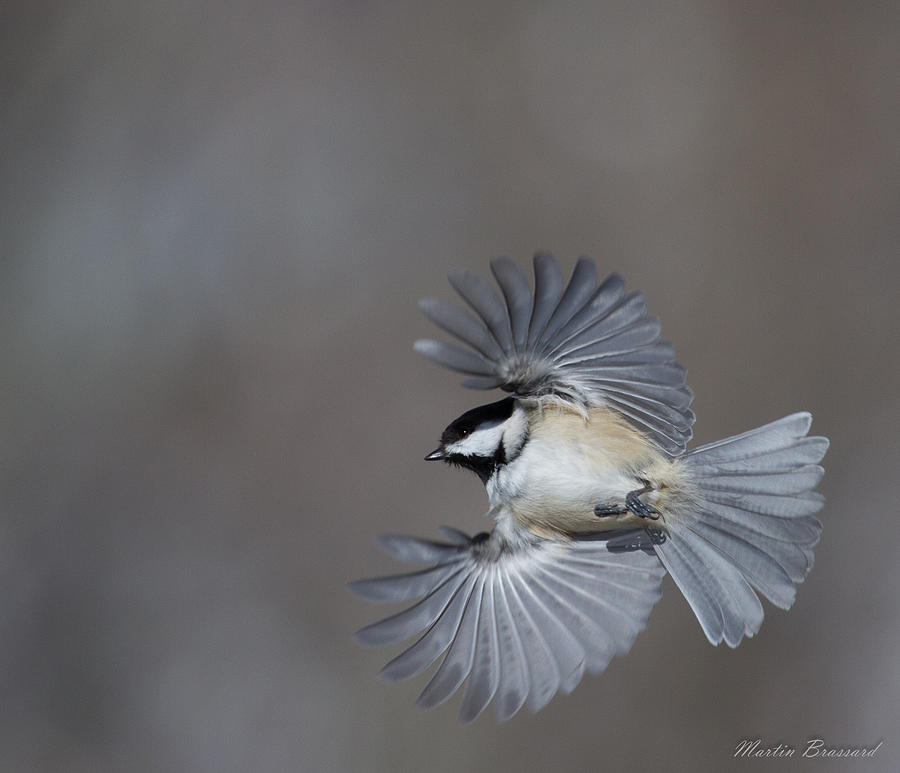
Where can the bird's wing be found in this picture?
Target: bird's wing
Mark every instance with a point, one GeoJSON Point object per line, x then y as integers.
{"type": "Point", "coordinates": [518, 622]}
{"type": "Point", "coordinates": [588, 343]}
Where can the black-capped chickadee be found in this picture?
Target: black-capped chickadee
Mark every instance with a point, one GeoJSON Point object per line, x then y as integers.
{"type": "Point", "coordinates": [592, 498]}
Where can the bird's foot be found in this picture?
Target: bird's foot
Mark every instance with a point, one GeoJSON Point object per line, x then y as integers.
{"type": "Point", "coordinates": [633, 504]}
{"type": "Point", "coordinates": [640, 508]}
{"type": "Point", "coordinates": [657, 536]}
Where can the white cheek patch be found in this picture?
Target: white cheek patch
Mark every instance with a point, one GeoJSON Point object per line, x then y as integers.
{"type": "Point", "coordinates": [482, 442]}
{"type": "Point", "coordinates": [515, 432]}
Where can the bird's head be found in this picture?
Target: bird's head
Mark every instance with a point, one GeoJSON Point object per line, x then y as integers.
{"type": "Point", "coordinates": [485, 438]}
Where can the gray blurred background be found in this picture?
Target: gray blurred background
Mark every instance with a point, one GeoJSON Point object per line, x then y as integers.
{"type": "Point", "coordinates": [216, 220]}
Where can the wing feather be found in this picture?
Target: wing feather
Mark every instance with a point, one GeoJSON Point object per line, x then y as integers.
{"type": "Point", "coordinates": [517, 294]}
{"type": "Point", "coordinates": [434, 642]}
{"type": "Point", "coordinates": [548, 282]}
{"type": "Point", "coordinates": [640, 334]}
{"type": "Point", "coordinates": [484, 678]}
{"type": "Point", "coordinates": [573, 609]}
{"type": "Point", "coordinates": [626, 312]}
{"type": "Point", "coordinates": [514, 685]}
{"type": "Point", "coordinates": [565, 648]}
{"type": "Point", "coordinates": [606, 297]}
{"type": "Point", "coordinates": [585, 343]}
{"type": "Point", "coordinates": [403, 587]}
{"type": "Point", "coordinates": [516, 618]}
{"type": "Point", "coordinates": [457, 664]}
{"type": "Point", "coordinates": [454, 357]}
{"type": "Point", "coordinates": [578, 292]}
{"type": "Point", "coordinates": [542, 665]}
{"type": "Point", "coordinates": [462, 325]}
{"type": "Point", "coordinates": [410, 621]}
{"type": "Point", "coordinates": [416, 551]}
{"type": "Point", "coordinates": [478, 294]}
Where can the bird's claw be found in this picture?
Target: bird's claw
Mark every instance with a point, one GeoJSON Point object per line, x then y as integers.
{"type": "Point", "coordinates": [657, 536]}
{"type": "Point", "coordinates": [639, 508]}
{"type": "Point", "coordinates": [633, 504]}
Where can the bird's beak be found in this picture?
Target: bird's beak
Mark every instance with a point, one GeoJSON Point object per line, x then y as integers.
{"type": "Point", "coordinates": [435, 456]}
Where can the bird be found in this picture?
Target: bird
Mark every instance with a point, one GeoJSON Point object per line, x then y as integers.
{"type": "Point", "coordinates": [593, 497]}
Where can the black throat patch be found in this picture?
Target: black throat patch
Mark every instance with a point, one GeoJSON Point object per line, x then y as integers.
{"type": "Point", "coordinates": [483, 466]}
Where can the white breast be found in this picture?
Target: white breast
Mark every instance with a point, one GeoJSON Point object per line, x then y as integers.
{"type": "Point", "coordinates": [557, 481]}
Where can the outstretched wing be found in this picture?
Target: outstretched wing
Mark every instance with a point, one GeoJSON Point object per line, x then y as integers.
{"type": "Point", "coordinates": [517, 623]}
{"type": "Point", "coordinates": [588, 343]}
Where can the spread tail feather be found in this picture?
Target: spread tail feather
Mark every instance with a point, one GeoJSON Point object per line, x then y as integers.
{"type": "Point", "coordinates": [751, 525]}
